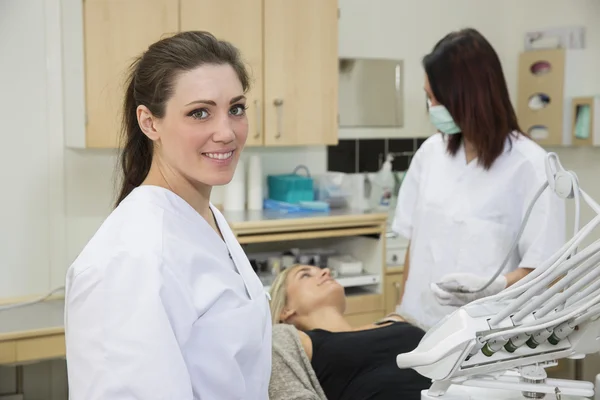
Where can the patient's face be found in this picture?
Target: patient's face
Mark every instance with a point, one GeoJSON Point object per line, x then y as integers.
{"type": "Point", "coordinates": [309, 288]}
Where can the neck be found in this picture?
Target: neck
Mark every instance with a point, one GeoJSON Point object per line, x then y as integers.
{"type": "Point", "coordinates": [197, 196]}
{"type": "Point", "coordinates": [470, 152]}
{"type": "Point", "coordinates": [328, 318]}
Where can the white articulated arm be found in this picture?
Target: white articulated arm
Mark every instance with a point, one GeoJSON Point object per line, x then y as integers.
{"type": "Point", "coordinates": [552, 313]}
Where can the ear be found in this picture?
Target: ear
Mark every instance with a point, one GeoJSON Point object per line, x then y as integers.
{"type": "Point", "coordinates": [286, 314]}
{"type": "Point", "coordinates": [147, 122]}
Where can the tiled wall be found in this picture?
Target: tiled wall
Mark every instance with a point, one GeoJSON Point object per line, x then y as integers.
{"type": "Point", "coordinates": [367, 155]}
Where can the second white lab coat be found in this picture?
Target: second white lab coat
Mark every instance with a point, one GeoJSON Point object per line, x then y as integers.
{"type": "Point", "coordinates": [158, 306]}
{"type": "Point", "coordinates": [461, 218]}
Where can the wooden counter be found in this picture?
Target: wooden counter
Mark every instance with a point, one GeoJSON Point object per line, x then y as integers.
{"type": "Point", "coordinates": [32, 333]}
{"type": "Point", "coordinates": [272, 226]}
{"type": "Point", "coordinates": [36, 332]}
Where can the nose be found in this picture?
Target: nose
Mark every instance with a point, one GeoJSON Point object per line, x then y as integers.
{"type": "Point", "coordinates": [224, 131]}
{"type": "Point", "coordinates": [326, 272]}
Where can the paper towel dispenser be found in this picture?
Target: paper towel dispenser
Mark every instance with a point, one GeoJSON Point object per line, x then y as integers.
{"type": "Point", "coordinates": [371, 93]}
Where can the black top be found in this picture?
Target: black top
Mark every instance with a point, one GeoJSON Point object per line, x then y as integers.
{"type": "Point", "coordinates": [361, 365]}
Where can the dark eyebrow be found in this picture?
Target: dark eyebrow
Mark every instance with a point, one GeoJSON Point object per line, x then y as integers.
{"type": "Point", "coordinates": [212, 103]}
{"type": "Point", "coordinates": [237, 98]}
{"type": "Point", "coordinates": [209, 102]}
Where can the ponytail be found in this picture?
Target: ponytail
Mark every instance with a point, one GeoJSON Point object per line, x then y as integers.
{"type": "Point", "coordinates": [151, 83]}
{"type": "Point", "coordinates": [136, 153]}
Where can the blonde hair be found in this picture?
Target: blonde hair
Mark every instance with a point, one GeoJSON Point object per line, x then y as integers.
{"type": "Point", "coordinates": [279, 294]}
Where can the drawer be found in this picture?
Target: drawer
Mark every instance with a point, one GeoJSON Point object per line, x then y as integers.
{"type": "Point", "coordinates": [364, 303]}
{"type": "Point", "coordinates": [393, 291]}
{"type": "Point", "coordinates": [396, 242]}
{"type": "Point", "coordinates": [40, 348]}
{"type": "Point", "coordinates": [395, 256]}
{"type": "Point", "coordinates": [8, 352]}
{"type": "Point", "coordinates": [361, 319]}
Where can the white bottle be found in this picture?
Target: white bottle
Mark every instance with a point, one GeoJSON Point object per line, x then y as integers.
{"type": "Point", "coordinates": [255, 184]}
{"type": "Point", "coordinates": [382, 186]}
{"type": "Point", "coordinates": [235, 191]}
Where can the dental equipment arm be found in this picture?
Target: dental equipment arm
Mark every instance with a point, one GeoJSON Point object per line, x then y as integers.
{"type": "Point", "coordinates": [552, 313]}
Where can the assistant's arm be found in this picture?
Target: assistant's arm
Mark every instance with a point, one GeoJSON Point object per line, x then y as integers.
{"type": "Point", "coordinates": [119, 336]}
{"type": "Point", "coordinates": [516, 275]}
{"type": "Point", "coordinates": [406, 207]}
{"type": "Point", "coordinates": [405, 270]}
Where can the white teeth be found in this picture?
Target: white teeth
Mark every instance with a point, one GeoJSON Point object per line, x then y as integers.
{"type": "Point", "coordinates": [219, 156]}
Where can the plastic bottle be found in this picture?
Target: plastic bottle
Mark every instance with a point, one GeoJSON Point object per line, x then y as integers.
{"type": "Point", "coordinates": [383, 184]}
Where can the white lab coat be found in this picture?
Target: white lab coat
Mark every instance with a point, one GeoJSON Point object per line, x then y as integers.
{"type": "Point", "coordinates": [461, 218]}
{"type": "Point", "coordinates": [157, 309]}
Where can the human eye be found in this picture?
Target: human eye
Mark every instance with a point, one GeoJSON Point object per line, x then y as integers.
{"type": "Point", "coordinates": [238, 109]}
{"type": "Point", "coordinates": [201, 113]}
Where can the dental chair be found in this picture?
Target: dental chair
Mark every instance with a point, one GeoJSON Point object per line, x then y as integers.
{"type": "Point", "coordinates": [498, 347]}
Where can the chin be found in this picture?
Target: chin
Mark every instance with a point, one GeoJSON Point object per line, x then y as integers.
{"type": "Point", "coordinates": [337, 293]}
{"type": "Point", "coordinates": [217, 180]}
{"type": "Point", "coordinates": [218, 176]}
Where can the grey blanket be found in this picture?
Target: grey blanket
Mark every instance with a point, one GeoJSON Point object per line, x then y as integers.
{"type": "Point", "coordinates": [292, 376]}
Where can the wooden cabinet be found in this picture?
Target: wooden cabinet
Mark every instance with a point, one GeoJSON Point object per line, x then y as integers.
{"type": "Point", "coordinates": [290, 47]}
{"type": "Point", "coordinates": [301, 72]}
{"type": "Point", "coordinates": [240, 23]}
{"type": "Point", "coordinates": [115, 33]}
{"type": "Point", "coordinates": [393, 291]}
{"type": "Point", "coordinates": [364, 309]}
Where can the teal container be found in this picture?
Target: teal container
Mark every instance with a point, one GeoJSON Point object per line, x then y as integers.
{"type": "Point", "coordinates": [291, 188]}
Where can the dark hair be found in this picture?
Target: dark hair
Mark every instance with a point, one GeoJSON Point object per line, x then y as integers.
{"type": "Point", "coordinates": [465, 75]}
{"type": "Point", "coordinates": [150, 83]}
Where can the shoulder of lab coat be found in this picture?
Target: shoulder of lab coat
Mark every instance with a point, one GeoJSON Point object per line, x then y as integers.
{"type": "Point", "coordinates": [408, 194]}
{"type": "Point", "coordinates": [119, 340]}
{"type": "Point", "coordinates": [545, 231]}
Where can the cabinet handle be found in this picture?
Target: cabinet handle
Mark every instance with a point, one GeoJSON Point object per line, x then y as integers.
{"type": "Point", "coordinates": [258, 119]}
{"type": "Point", "coordinates": [279, 104]}
{"type": "Point", "coordinates": [397, 287]}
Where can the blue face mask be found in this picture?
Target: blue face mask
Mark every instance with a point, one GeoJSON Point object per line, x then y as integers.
{"type": "Point", "coordinates": [442, 120]}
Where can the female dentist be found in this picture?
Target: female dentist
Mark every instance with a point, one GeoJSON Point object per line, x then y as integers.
{"type": "Point", "coordinates": [162, 303]}
{"type": "Point", "coordinates": [468, 187]}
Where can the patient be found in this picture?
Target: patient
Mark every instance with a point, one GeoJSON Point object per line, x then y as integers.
{"type": "Point", "coordinates": [349, 363]}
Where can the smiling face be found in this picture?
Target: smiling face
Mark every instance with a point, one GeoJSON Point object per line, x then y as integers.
{"type": "Point", "coordinates": [204, 128]}
{"type": "Point", "coordinates": [309, 288]}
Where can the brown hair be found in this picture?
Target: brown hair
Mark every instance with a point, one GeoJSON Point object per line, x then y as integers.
{"type": "Point", "coordinates": [150, 83]}
{"type": "Point", "coordinates": [465, 75]}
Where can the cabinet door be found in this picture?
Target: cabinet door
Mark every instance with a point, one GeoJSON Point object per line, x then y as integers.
{"type": "Point", "coordinates": [362, 319]}
{"type": "Point", "coordinates": [393, 291]}
{"type": "Point", "coordinates": [301, 72]}
{"type": "Point", "coordinates": [115, 33]}
{"type": "Point", "coordinates": [241, 23]}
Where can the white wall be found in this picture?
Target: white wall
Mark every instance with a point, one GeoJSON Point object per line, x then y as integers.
{"type": "Point", "coordinates": [408, 29]}
{"type": "Point", "coordinates": [59, 196]}
{"type": "Point", "coordinates": [31, 207]}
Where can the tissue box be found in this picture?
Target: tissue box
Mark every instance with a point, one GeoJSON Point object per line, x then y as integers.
{"type": "Point", "coordinates": [345, 265]}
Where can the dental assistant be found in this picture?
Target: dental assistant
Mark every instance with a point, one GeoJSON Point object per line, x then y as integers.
{"type": "Point", "coordinates": [162, 303]}
{"type": "Point", "coordinates": [469, 185]}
